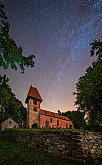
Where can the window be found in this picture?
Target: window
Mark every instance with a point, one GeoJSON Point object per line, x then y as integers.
{"type": "Point", "coordinates": [50, 120]}
{"type": "Point", "coordinates": [35, 109]}
{"type": "Point", "coordinates": [10, 122]}
{"type": "Point", "coordinates": [57, 122]}
{"type": "Point", "coordinates": [66, 125]}
{"type": "Point", "coordinates": [35, 102]}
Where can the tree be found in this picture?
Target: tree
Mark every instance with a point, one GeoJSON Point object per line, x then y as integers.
{"type": "Point", "coordinates": [76, 117]}
{"type": "Point", "coordinates": [96, 48]}
{"type": "Point", "coordinates": [10, 54]}
{"type": "Point", "coordinates": [89, 89]}
{"type": "Point", "coordinates": [10, 106]}
{"type": "Point", "coordinates": [59, 112]}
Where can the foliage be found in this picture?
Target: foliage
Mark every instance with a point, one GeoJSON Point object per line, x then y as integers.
{"type": "Point", "coordinates": [10, 54]}
{"type": "Point", "coordinates": [10, 106]}
{"type": "Point", "coordinates": [96, 48]}
{"type": "Point", "coordinates": [59, 112]}
{"type": "Point", "coordinates": [89, 89]}
{"type": "Point", "coordinates": [76, 117]}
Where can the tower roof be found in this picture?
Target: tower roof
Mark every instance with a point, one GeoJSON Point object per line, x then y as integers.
{"type": "Point", "coordinates": [33, 93]}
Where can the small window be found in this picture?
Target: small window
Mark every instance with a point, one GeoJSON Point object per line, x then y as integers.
{"type": "Point", "coordinates": [10, 122]}
{"type": "Point", "coordinates": [57, 122]}
{"type": "Point", "coordinates": [50, 120]}
{"type": "Point", "coordinates": [35, 109]}
{"type": "Point", "coordinates": [35, 102]}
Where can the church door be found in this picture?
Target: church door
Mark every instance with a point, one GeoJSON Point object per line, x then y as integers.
{"type": "Point", "coordinates": [47, 123]}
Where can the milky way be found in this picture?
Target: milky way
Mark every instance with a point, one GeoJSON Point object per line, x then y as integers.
{"type": "Point", "coordinates": [59, 33]}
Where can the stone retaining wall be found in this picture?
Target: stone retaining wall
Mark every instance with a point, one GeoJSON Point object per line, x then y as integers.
{"type": "Point", "coordinates": [80, 147]}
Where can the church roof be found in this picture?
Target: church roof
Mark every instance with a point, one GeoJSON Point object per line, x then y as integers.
{"type": "Point", "coordinates": [33, 93]}
{"type": "Point", "coordinates": [52, 114]}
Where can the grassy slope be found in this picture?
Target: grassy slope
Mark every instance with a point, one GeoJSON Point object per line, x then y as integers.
{"type": "Point", "coordinates": [14, 154]}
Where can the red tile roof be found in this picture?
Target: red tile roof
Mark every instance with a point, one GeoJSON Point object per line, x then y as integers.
{"type": "Point", "coordinates": [52, 114]}
{"type": "Point", "coordinates": [33, 93]}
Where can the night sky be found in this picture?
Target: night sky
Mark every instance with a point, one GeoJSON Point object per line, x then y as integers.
{"type": "Point", "coordinates": [58, 33]}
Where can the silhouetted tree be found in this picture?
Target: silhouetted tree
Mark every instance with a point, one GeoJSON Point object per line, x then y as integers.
{"type": "Point", "coordinates": [59, 112]}
{"type": "Point", "coordinates": [76, 117]}
{"type": "Point", "coordinates": [10, 54]}
{"type": "Point", "coordinates": [89, 89]}
{"type": "Point", "coordinates": [10, 106]}
{"type": "Point", "coordinates": [96, 48]}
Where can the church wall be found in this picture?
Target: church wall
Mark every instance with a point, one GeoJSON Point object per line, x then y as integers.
{"type": "Point", "coordinates": [54, 122]}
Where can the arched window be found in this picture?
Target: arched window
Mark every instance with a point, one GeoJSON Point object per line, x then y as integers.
{"type": "Point", "coordinates": [57, 122]}
{"type": "Point", "coordinates": [50, 120]}
{"type": "Point", "coordinates": [34, 125]}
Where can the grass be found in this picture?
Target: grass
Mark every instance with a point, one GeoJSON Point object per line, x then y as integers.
{"type": "Point", "coordinates": [45, 130]}
{"type": "Point", "coordinates": [15, 154]}
{"type": "Point", "coordinates": [53, 130]}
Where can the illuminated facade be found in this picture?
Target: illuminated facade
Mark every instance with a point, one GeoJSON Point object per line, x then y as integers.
{"type": "Point", "coordinates": [40, 118]}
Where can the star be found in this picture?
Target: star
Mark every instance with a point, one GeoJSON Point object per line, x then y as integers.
{"type": "Point", "coordinates": [58, 33]}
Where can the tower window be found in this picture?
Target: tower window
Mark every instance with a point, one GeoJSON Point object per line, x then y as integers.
{"type": "Point", "coordinates": [35, 102]}
{"type": "Point", "coordinates": [35, 109]}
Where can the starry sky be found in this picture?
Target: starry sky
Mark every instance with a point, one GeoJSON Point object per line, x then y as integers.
{"type": "Point", "coordinates": [58, 33]}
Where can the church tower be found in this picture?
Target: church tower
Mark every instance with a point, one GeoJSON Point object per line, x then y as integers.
{"type": "Point", "coordinates": [33, 101]}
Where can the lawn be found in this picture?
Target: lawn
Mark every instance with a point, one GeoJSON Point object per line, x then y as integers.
{"type": "Point", "coordinates": [15, 154]}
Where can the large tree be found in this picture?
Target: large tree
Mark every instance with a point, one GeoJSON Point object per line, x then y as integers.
{"type": "Point", "coordinates": [89, 88]}
{"type": "Point", "coordinates": [10, 106]}
{"type": "Point", "coordinates": [10, 54]}
{"type": "Point", "coordinates": [76, 117]}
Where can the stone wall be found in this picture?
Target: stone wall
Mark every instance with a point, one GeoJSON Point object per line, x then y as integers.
{"type": "Point", "coordinates": [79, 147]}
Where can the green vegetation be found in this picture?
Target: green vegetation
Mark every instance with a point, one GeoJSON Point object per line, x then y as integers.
{"type": "Point", "coordinates": [14, 130]}
{"type": "Point", "coordinates": [48, 130]}
{"type": "Point", "coordinates": [10, 106]}
{"type": "Point", "coordinates": [10, 54]}
{"type": "Point", "coordinates": [89, 90]}
{"type": "Point", "coordinates": [77, 117]}
{"type": "Point", "coordinates": [16, 154]}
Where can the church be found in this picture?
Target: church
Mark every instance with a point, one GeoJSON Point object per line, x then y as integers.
{"type": "Point", "coordinates": [39, 118]}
